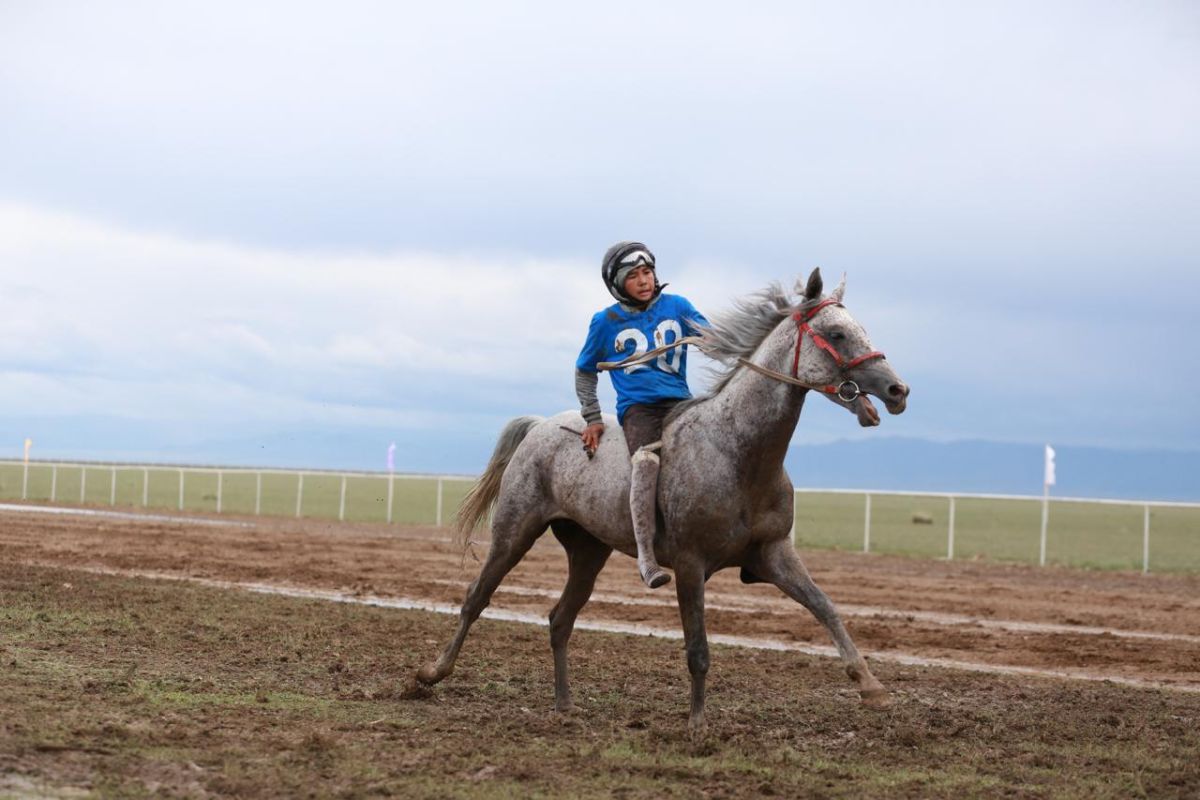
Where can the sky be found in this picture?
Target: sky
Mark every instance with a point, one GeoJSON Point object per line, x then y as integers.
{"type": "Point", "coordinates": [343, 224]}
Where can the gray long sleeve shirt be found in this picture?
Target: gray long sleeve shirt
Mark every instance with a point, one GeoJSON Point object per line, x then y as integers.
{"type": "Point", "coordinates": [585, 390]}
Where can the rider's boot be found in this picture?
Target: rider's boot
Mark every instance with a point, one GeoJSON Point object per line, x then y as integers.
{"type": "Point", "coordinates": [643, 500]}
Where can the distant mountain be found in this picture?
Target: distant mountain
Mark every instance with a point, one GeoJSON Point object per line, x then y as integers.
{"type": "Point", "coordinates": [994, 467]}
{"type": "Point", "coordinates": [876, 463]}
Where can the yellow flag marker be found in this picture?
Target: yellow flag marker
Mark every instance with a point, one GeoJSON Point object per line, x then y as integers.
{"type": "Point", "coordinates": [28, 444]}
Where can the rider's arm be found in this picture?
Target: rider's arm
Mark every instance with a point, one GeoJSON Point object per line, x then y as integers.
{"type": "Point", "coordinates": [586, 380]}
{"type": "Point", "coordinates": [585, 390]}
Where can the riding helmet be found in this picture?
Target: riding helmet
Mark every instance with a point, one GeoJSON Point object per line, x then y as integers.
{"type": "Point", "coordinates": [621, 259]}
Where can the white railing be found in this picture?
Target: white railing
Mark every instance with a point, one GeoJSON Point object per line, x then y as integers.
{"type": "Point", "coordinates": [84, 467]}
{"type": "Point", "coordinates": [439, 482]}
{"type": "Point", "coordinates": [951, 497]}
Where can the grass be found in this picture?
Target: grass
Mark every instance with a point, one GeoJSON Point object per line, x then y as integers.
{"type": "Point", "coordinates": [1079, 534]}
{"type": "Point", "coordinates": [1094, 535]}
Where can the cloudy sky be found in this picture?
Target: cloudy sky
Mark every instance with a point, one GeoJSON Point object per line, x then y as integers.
{"type": "Point", "coordinates": [230, 222]}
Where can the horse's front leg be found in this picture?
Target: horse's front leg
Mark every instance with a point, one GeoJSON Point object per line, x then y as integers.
{"type": "Point", "coordinates": [781, 565]}
{"type": "Point", "coordinates": [689, 589]}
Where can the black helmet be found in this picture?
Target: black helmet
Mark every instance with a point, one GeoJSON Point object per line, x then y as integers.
{"type": "Point", "coordinates": [619, 261]}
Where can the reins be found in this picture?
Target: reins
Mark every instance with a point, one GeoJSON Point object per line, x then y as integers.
{"type": "Point", "coordinates": [847, 390]}
{"type": "Point", "coordinates": [644, 358]}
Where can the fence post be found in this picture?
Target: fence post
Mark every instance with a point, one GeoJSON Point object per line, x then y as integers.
{"type": "Point", "coordinates": [438, 521]}
{"type": "Point", "coordinates": [82, 485]}
{"type": "Point", "coordinates": [299, 492]}
{"type": "Point", "coordinates": [1045, 520]}
{"type": "Point", "coordinates": [145, 487]}
{"type": "Point", "coordinates": [181, 490]}
{"type": "Point", "coordinates": [342, 501]}
{"type": "Point", "coordinates": [53, 482]}
{"type": "Point", "coordinates": [112, 489]}
{"type": "Point", "coordinates": [391, 487]}
{"type": "Point", "coordinates": [1145, 539]}
{"type": "Point", "coordinates": [867, 526]}
{"type": "Point", "coordinates": [220, 481]}
{"type": "Point", "coordinates": [257, 493]}
{"type": "Point", "coordinates": [950, 535]}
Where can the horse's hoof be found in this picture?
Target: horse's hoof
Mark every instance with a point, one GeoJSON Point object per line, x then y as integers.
{"type": "Point", "coordinates": [656, 578]}
{"type": "Point", "coordinates": [428, 674]}
{"type": "Point", "coordinates": [416, 690]}
{"type": "Point", "coordinates": [876, 698]}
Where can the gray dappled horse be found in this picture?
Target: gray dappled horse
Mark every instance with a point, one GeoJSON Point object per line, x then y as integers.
{"type": "Point", "coordinates": [724, 497]}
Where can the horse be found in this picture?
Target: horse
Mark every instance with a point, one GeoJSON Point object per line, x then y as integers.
{"type": "Point", "coordinates": [729, 444]}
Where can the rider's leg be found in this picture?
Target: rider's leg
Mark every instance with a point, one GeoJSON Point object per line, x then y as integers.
{"type": "Point", "coordinates": [643, 496]}
{"type": "Point", "coordinates": [643, 427]}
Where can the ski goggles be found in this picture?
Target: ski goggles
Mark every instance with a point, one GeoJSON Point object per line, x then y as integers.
{"type": "Point", "coordinates": [638, 258]}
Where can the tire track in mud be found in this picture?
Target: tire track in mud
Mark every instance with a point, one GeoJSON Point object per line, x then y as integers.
{"type": "Point", "coordinates": [739, 605]}
{"type": "Point", "coordinates": [1119, 626]}
{"type": "Point", "coordinates": [626, 628]}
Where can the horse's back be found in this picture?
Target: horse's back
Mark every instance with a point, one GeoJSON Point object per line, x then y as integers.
{"type": "Point", "coordinates": [592, 492]}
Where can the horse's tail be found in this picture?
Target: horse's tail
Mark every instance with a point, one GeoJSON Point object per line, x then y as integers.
{"type": "Point", "coordinates": [482, 495]}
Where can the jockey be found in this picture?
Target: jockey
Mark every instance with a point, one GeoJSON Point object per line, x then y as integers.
{"type": "Point", "coordinates": [642, 319]}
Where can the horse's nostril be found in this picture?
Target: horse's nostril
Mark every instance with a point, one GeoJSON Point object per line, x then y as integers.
{"type": "Point", "coordinates": [898, 390]}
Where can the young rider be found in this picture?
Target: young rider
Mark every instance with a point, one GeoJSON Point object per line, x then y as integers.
{"type": "Point", "coordinates": [642, 319]}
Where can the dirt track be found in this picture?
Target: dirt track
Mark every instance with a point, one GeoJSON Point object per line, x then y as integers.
{"type": "Point", "coordinates": [121, 686]}
{"type": "Point", "coordinates": [965, 611]}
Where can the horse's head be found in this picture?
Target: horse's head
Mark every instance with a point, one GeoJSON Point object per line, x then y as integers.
{"type": "Point", "coordinates": [832, 351]}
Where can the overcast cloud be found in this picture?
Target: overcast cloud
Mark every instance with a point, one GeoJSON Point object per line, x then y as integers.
{"type": "Point", "coordinates": [388, 216]}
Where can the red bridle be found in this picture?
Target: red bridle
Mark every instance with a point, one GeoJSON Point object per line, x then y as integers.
{"type": "Point", "coordinates": [802, 319]}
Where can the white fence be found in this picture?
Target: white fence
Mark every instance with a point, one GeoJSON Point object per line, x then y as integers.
{"type": "Point", "coordinates": [1093, 506]}
{"type": "Point", "coordinates": [221, 476]}
{"type": "Point", "coordinates": [384, 497]}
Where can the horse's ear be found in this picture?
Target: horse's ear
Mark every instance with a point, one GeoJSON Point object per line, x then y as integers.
{"type": "Point", "coordinates": [813, 290]}
{"type": "Point", "coordinates": [837, 293]}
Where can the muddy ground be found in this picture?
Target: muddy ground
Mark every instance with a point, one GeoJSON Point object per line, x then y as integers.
{"type": "Point", "coordinates": [116, 685]}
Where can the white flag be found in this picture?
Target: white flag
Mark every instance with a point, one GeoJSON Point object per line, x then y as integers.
{"type": "Point", "coordinates": [1049, 465]}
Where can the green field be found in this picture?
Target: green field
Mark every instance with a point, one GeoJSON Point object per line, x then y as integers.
{"type": "Point", "coordinates": [1096, 535]}
{"type": "Point", "coordinates": [414, 500]}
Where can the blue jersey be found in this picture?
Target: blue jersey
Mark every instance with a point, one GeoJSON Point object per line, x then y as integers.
{"type": "Point", "coordinates": [616, 334]}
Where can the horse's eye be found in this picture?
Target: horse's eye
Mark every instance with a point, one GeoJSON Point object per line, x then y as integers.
{"type": "Point", "coordinates": [836, 336]}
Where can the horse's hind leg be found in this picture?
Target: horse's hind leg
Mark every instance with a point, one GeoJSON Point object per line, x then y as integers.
{"type": "Point", "coordinates": [586, 556]}
{"type": "Point", "coordinates": [511, 540]}
{"type": "Point", "coordinates": [780, 564]}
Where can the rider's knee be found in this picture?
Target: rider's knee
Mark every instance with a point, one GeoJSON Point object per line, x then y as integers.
{"type": "Point", "coordinates": [647, 452]}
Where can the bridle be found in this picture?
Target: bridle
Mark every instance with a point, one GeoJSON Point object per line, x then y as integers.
{"type": "Point", "coordinates": [847, 390]}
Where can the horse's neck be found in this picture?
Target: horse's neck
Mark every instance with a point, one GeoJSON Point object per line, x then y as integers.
{"type": "Point", "coordinates": [762, 414]}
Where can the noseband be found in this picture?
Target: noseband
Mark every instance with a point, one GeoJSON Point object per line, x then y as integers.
{"type": "Point", "coordinates": [847, 390]}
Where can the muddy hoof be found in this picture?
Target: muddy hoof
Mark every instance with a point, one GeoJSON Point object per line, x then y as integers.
{"type": "Point", "coordinates": [428, 675]}
{"type": "Point", "coordinates": [416, 690]}
{"type": "Point", "coordinates": [656, 578]}
{"type": "Point", "coordinates": [876, 698]}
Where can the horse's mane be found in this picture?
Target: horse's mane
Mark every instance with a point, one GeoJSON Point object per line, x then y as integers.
{"type": "Point", "coordinates": [737, 333]}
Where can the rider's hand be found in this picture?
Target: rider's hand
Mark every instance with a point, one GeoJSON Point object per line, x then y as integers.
{"type": "Point", "coordinates": [591, 436]}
